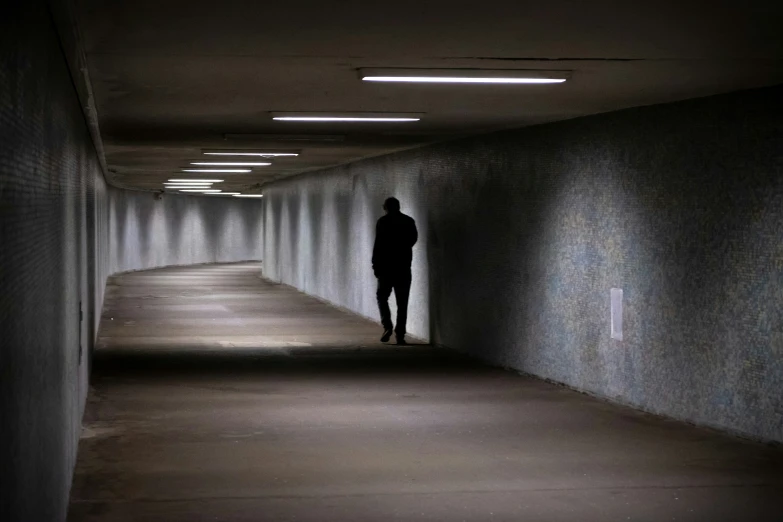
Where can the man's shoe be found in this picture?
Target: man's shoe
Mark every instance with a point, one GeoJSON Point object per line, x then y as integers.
{"type": "Point", "coordinates": [401, 341]}
{"type": "Point", "coordinates": [387, 333]}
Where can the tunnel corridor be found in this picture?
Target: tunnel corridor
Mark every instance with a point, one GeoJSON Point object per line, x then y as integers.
{"type": "Point", "coordinates": [217, 395]}
{"type": "Point", "coordinates": [192, 199]}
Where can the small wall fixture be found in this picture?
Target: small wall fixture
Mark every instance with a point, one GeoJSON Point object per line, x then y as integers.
{"type": "Point", "coordinates": [469, 76]}
{"type": "Point", "coordinates": [616, 313]}
{"type": "Point", "coordinates": [371, 117]}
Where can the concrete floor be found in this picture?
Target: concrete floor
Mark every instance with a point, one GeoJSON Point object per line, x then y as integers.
{"type": "Point", "coordinates": [218, 396]}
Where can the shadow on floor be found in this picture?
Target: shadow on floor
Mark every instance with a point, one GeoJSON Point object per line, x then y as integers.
{"type": "Point", "coordinates": [413, 359]}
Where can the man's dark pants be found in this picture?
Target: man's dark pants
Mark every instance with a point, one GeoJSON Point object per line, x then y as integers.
{"type": "Point", "coordinates": [400, 282]}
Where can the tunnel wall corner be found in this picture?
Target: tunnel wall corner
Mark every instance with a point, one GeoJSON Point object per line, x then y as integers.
{"type": "Point", "coordinates": [148, 231]}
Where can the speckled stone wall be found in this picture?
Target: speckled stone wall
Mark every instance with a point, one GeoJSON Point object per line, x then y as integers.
{"type": "Point", "coordinates": [147, 232]}
{"type": "Point", "coordinates": [524, 233]}
{"type": "Point", "coordinates": [62, 233]}
{"type": "Point", "coordinates": [53, 265]}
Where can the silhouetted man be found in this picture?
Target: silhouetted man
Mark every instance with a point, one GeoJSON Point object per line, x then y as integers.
{"type": "Point", "coordinates": [395, 235]}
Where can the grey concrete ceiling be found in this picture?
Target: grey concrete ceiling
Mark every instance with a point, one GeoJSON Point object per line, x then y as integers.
{"type": "Point", "coordinates": [174, 77]}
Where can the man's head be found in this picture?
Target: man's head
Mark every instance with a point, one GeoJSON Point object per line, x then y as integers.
{"type": "Point", "coordinates": [391, 205]}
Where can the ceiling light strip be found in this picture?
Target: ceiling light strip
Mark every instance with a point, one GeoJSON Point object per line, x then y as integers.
{"type": "Point", "coordinates": [341, 119]}
{"type": "Point", "coordinates": [195, 181]}
{"type": "Point", "coordinates": [445, 79]}
{"type": "Point", "coordinates": [359, 117]}
{"type": "Point", "coordinates": [259, 153]}
{"type": "Point", "coordinates": [235, 171]}
{"type": "Point", "coordinates": [232, 163]}
{"type": "Point", "coordinates": [488, 76]}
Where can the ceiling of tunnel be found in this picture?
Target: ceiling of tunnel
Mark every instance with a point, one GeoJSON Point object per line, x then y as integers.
{"type": "Point", "coordinates": [173, 78]}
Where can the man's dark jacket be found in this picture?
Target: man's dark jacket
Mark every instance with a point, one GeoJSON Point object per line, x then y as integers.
{"type": "Point", "coordinates": [395, 235]}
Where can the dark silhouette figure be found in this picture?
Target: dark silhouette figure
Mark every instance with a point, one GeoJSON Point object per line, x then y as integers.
{"type": "Point", "coordinates": [395, 235]}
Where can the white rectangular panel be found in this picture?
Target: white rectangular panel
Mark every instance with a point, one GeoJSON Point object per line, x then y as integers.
{"type": "Point", "coordinates": [617, 313]}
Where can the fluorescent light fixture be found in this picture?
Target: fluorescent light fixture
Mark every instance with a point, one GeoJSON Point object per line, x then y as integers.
{"type": "Point", "coordinates": [487, 76]}
{"type": "Point", "coordinates": [262, 154]}
{"type": "Point", "coordinates": [195, 181]}
{"type": "Point", "coordinates": [347, 116]}
{"type": "Point", "coordinates": [225, 194]}
{"type": "Point", "coordinates": [446, 79]}
{"type": "Point", "coordinates": [203, 191]}
{"type": "Point", "coordinates": [284, 138]}
{"type": "Point", "coordinates": [248, 195]}
{"type": "Point", "coordinates": [218, 170]}
{"type": "Point", "coordinates": [341, 118]}
{"type": "Point", "coordinates": [231, 164]}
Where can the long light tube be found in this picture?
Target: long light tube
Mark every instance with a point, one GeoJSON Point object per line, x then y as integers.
{"type": "Point", "coordinates": [231, 163]}
{"type": "Point", "coordinates": [457, 79]}
{"type": "Point", "coordinates": [262, 154]}
{"type": "Point", "coordinates": [347, 116]}
{"type": "Point", "coordinates": [249, 196]}
{"type": "Point", "coordinates": [195, 181]}
{"type": "Point", "coordinates": [218, 170]}
{"type": "Point", "coordinates": [203, 191]}
{"type": "Point", "coordinates": [341, 118]}
{"type": "Point", "coordinates": [486, 76]}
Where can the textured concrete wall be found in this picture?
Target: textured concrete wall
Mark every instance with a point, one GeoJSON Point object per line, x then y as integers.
{"type": "Point", "coordinates": [181, 230]}
{"type": "Point", "coordinates": [524, 233]}
{"type": "Point", "coordinates": [320, 228]}
{"type": "Point", "coordinates": [53, 261]}
{"type": "Point", "coordinates": [55, 256]}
